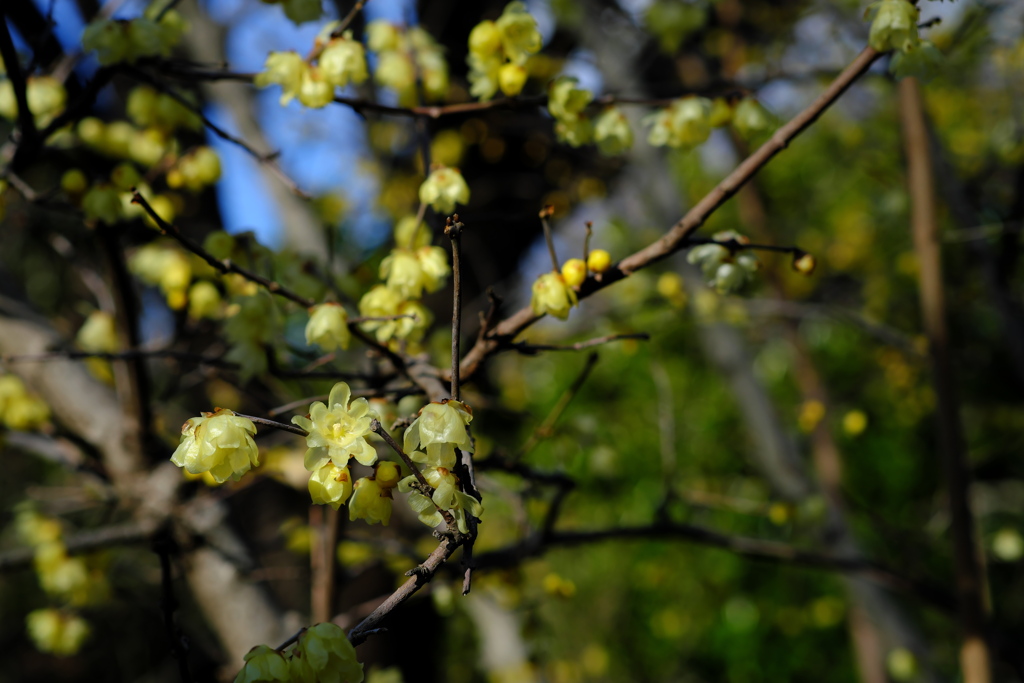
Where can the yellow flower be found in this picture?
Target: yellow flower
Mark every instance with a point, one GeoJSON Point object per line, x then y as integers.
{"type": "Point", "coordinates": [316, 91]}
{"type": "Point", "coordinates": [574, 272]}
{"type": "Point", "coordinates": [565, 100]}
{"type": "Point", "coordinates": [410, 272]}
{"type": "Point", "coordinates": [751, 119]}
{"type": "Point", "coordinates": [485, 39]}
{"type": "Point", "coordinates": [338, 432]}
{"type": "Point", "coordinates": [330, 485]}
{"type": "Point", "coordinates": [287, 69]}
{"type": "Point", "coordinates": [371, 502]}
{"type": "Point", "coordinates": [484, 75]}
{"type": "Point", "coordinates": [98, 334]}
{"type": "Point", "coordinates": [204, 301]}
{"type": "Point", "coordinates": [328, 327]}
{"type": "Point", "coordinates": [395, 70]}
{"type": "Point", "coordinates": [443, 189]}
{"type": "Point", "coordinates": [511, 79]}
{"type": "Point", "coordinates": [685, 124]}
{"type": "Point", "coordinates": [55, 631]}
{"type": "Point", "coordinates": [519, 35]}
{"type": "Point", "coordinates": [219, 443]}
{"type": "Point", "coordinates": [612, 132]}
{"type": "Point", "coordinates": [439, 429]}
{"type": "Point", "coordinates": [262, 665]}
{"type": "Point", "coordinates": [894, 26]}
{"type": "Point", "coordinates": [410, 235]}
{"type": "Point", "coordinates": [382, 35]}
{"type": "Point", "coordinates": [446, 496]}
{"type": "Point", "coordinates": [598, 260]}
{"type": "Point", "coordinates": [343, 61]}
{"type": "Point", "coordinates": [552, 295]}
{"type": "Point", "coordinates": [323, 653]}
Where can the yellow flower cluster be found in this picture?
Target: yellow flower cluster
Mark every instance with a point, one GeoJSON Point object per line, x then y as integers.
{"type": "Point", "coordinates": [116, 40]}
{"type": "Point", "coordinates": [432, 439]}
{"type": "Point", "coordinates": [19, 409]}
{"type": "Point", "coordinates": [62, 577]}
{"type": "Point", "coordinates": [341, 61]}
{"type": "Point", "coordinates": [220, 443]}
{"type": "Point", "coordinates": [405, 56]}
{"type": "Point", "coordinates": [412, 268]}
{"type": "Point", "coordinates": [498, 51]}
{"type": "Point", "coordinates": [322, 653]}
{"type": "Point", "coordinates": [162, 264]}
{"type": "Point", "coordinates": [334, 435]}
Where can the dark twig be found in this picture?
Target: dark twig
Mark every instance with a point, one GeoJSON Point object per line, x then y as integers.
{"type": "Point", "coordinates": [163, 546]}
{"type": "Point", "coordinates": [26, 124]}
{"type": "Point", "coordinates": [378, 429]}
{"type": "Point", "coordinates": [294, 429]}
{"type": "Point", "coordinates": [545, 214]}
{"type": "Point", "coordinates": [82, 542]}
{"type": "Point", "coordinates": [227, 265]}
{"type": "Point", "coordinates": [453, 228]}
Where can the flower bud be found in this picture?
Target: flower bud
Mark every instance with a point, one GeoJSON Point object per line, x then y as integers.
{"type": "Point", "coordinates": [598, 260]}
{"type": "Point", "coordinates": [574, 272]}
{"type": "Point", "coordinates": [370, 502]}
{"type": "Point", "coordinates": [511, 79]}
{"type": "Point", "coordinates": [204, 301]}
{"type": "Point", "coordinates": [98, 334]}
{"type": "Point", "coordinates": [804, 263]}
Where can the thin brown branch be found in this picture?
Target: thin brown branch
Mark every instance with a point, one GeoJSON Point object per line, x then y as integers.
{"type": "Point", "coordinates": [418, 578]}
{"type": "Point", "coordinates": [677, 236]}
{"type": "Point", "coordinates": [227, 265]}
{"type": "Point", "coordinates": [379, 430]}
{"type": "Point", "coordinates": [294, 429]}
{"type": "Point", "coordinates": [26, 124]}
{"type": "Point", "coordinates": [453, 228]}
{"type": "Point", "coordinates": [975, 658]}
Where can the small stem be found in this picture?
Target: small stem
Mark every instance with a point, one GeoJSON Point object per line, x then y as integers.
{"type": "Point", "coordinates": [544, 430]}
{"type": "Point", "coordinates": [545, 213]}
{"type": "Point", "coordinates": [378, 429]}
{"type": "Point", "coordinates": [420, 213]}
{"type": "Point", "coordinates": [294, 429]}
{"type": "Point", "coordinates": [586, 241]}
{"type": "Point", "coordinates": [453, 229]}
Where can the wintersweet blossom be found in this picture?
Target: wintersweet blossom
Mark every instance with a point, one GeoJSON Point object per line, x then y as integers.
{"type": "Point", "coordinates": [552, 295]}
{"type": "Point", "coordinates": [330, 485]}
{"type": "Point", "coordinates": [371, 498]}
{"type": "Point", "coordinates": [337, 430]}
{"type": "Point", "coordinates": [287, 69]}
{"type": "Point", "coordinates": [599, 260]}
{"type": "Point", "coordinates": [685, 124]}
{"type": "Point", "coordinates": [519, 35]}
{"type": "Point", "coordinates": [328, 327]}
{"type": "Point", "coordinates": [612, 132]}
{"type": "Point", "coordinates": [443, 189]}
{"type": "Point", "coordinates": [439, 429]}
{"type": "Point", "coordinates": [343, 61]}
{"type": "Point", "coordinates": [324, 653]}
{"type": "Point", "coordinates": [446, 496]}
{"type": "Point", "coordinates": [410, 272]}
{"type": "Point", "coordinates": [894, 26]}
{"type": "Point", "coordinates": [55, 631]}
{"type": "Point", "coordinates": [219, 443]}
{"type": "Point", "coordinates": [262, 665]}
